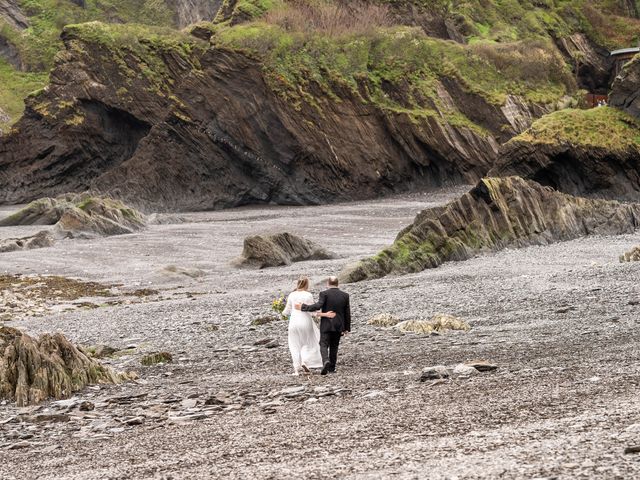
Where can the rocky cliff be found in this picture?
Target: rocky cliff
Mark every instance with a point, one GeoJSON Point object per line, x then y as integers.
{"type": "Point", "coordinates": [292, 103]}
{"type": "Point", "coordinates": [169, 122]}
{"type": "Point", "coordinates": [626, 89]}
{"type": "Point", "coordinates": [497, 213]}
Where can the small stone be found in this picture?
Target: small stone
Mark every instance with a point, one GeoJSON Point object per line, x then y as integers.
{"type": "Point", "coordinates": [434, 373]}
{"type": "Point", "coordinates": [482, 365]}
{"type": "Point", "coordinates": [155, 358]}
{"type": "Point", "coordinates": [86, 406]}
{"type": "Point", "coordinates": [189, 403]}
{"type": "Point", "coordinates": [134, 421]}
{"type": "Point", "coordinates": [463, 370]}
{"type": "Point", "coordinates": [20, 445]}
{"type": "Point", "coordinates": [374, 394]}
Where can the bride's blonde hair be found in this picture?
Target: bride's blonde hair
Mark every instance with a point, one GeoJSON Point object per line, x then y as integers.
{"type": "Point", "coordinates": [303, 284]}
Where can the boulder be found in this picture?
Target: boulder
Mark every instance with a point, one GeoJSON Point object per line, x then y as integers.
{"type": "Point", "coordinates": [39, 240]}
{"type": "Point", "coordinates": [632, 255]}
{"type": "Point", "coordinates": [497, 213]}
{"type": "Point", "coordinates": [33, 370]}
{"type": "Point", "coordinates": [73, 216]}
{"type": "Point", "coordinates": [264, 251]}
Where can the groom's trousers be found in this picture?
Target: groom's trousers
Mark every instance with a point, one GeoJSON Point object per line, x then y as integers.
{"type": "Point", "coordinates": [329, 342]}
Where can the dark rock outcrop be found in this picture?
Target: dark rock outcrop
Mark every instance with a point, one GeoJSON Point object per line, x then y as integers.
{"type": "Point", "coordinates": [264, 251]}
{"type": "Point", "coordinates": [576, 170]}
{"type": "Point", "coordinates": [207, 130]}
{"type": "Point", "coordinates": [10, 54]}
{"type": "Point", "coordinates": [497, 213]}
{"type": "Point", "coordinates": [594, 153]}
{"type": "Point", "coordinates": [32, 371]}
{"type": "Point", "coordinates": [593, 63]}
{"type": "Point", "coordinates": [625, 93]}
{"type": "Point", "coordinates": [11, 13]}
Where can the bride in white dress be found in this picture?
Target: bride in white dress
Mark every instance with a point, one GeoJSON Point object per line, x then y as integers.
{"type": "Point", "coordinates": [304, 334]}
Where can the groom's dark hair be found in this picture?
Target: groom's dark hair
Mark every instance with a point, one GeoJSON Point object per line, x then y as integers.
{"type": "Point", "coordinates": [333, 281]}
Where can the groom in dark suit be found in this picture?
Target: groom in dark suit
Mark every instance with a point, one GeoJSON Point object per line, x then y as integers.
{"type": "Point", "coordinates": [331, 329]}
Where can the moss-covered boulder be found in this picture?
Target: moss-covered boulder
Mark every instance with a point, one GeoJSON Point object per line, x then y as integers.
{"type": "Point", "coordinates": [33, 370]}
{"type": "Point", "coordinates": [497, 213]}
{"type": "Point", "coordinates": [264, 251]}
{"type": "Point", "coordinates": [78, 215]}
{"type": "Point", "coordinates": [39, 240]}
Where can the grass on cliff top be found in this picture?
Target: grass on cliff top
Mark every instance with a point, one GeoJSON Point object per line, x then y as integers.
{"type": "Point", "coordinates": [603, 127]}
{"type": "Point", "coordinates": [399, 67]}
{"type": "Point", "coordinates": [39, 43]}
{"type": "Point", "coordinates": [135, 37]}
{"type": "Point", "coordinates": [14, 87]}
{"type": "Point", "coordinates": [140, 52]}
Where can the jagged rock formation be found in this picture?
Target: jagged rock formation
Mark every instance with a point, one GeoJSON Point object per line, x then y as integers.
{"type": "Point", "coordinates": [184, 117]}
{"type": "Point", "coordinates": [264, 251]}
{"type": "Point", "coordinates": [76, 215]}
{"type": "Point", "coordinates": [32, 371]}
{"type": "Point", "coordinates": [632, 255]}
{"type": "Point", "coordinates": [625, 93]}
{"type": "Point", "coordinates": [497, 213]}
{"type": "Point", "coordinates": [73, 216]}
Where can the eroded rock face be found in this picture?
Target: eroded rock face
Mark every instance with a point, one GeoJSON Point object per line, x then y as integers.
{"type": "Point", "coordinates": [576, 170]}
{"type": "Point", "coordinates": [497, 213]}
{"type": "Point", "coordinates": [264, 251]}
{"type": "Point", "coordinates": [10, 12]}
{"type": "Point", "coordinates": [214, 134]}
{"type": "Point", "coordinates": [594, 63]}
{"type": "Point", "coordinates": [32, 371]}
{"type": "Point", "coordinates": [625, 93]}
{"type": "Point", "coordinates": [193, 11]}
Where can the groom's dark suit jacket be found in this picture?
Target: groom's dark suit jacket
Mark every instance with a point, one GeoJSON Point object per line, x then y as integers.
{"type": "Point", "coordinates": [333, 300]}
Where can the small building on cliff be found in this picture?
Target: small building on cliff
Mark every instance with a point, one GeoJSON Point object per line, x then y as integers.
{"type": "Point", "coordinates": [620, 57]}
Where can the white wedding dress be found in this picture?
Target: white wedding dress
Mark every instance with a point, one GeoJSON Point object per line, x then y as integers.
{"type": "Point", "coordinates": [304, 335]}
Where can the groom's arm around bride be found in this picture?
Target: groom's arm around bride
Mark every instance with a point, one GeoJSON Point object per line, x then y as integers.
{"type": "Point", "coordinates": [332, 299]}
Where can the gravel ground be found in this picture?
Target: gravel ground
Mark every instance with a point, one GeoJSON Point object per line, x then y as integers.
{"type": "Point", "coordinates": [561, 322]}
